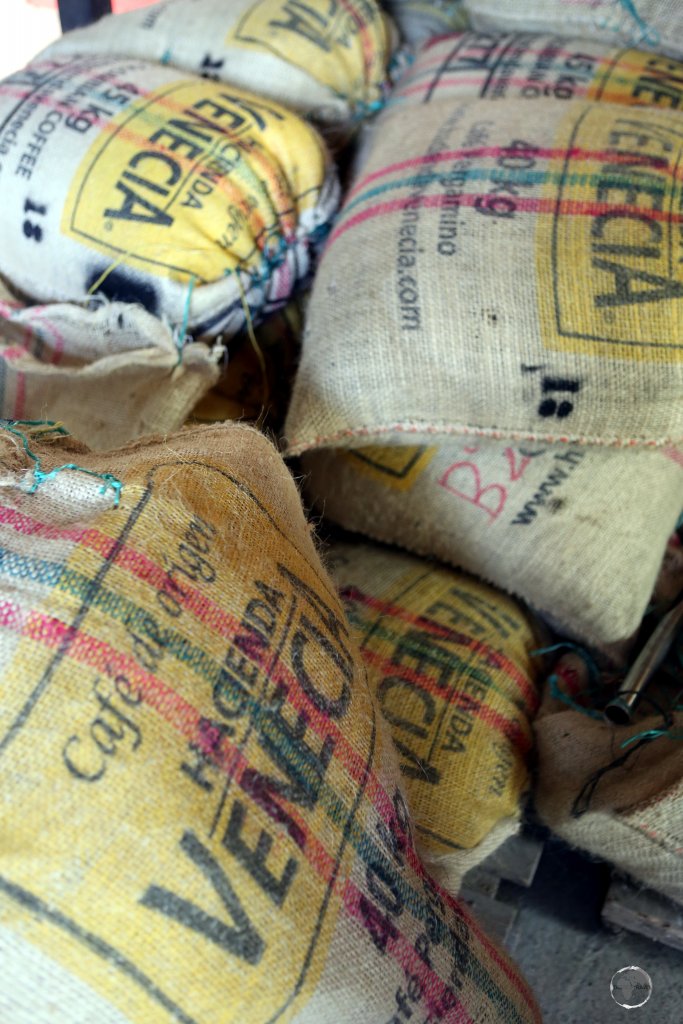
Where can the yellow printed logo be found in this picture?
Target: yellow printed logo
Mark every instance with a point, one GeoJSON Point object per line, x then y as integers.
{"type": "Point", "coordinates": [397, 467]}
{"type": "Point", "coordinates": [175, 715]}
{"type": "Point", "coordinates": [343, 45]}
{"type": "Point", "coordinates": [637, 77]}
{"type": "Point", "coordinates": [447, 660]}
{"type": "Point", "coordinates": [194, 180]}
{"type": "Point", "coordinates": [610, 250]}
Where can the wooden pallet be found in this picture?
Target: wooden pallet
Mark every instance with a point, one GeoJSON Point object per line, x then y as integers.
{"type": "Point", "coordinates": [644, 912]}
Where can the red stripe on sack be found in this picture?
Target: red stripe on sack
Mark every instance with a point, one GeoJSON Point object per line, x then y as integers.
{"type": "Point", "coordinates": [185, 719]}
{"type": "Point", "coordinates": [531, 51]}
{"type": "Point", "coordinates": [493, 152]}
{"type": "Point", "coordinates": [215, 618]}
{"type": "Point", "coordinates": [272, 173]}
{"type": "Point", "coordinates": [565, 207]}
{"type": "Point", "coordinates": [20, 396]}
{"type": "Point", "coordinates": [364, 31]}
{"type": "Point", "coordinates": [177, 712]}
{"type": "Point", "coordinates": [434, 989]}
{"type": "Point", "coordinates": [97, 654]}
{"type": "Point", "coordinates": [510, 728]}
{"type": "Point", "coordinates": [492, 657]}
{"type": "Point", "coordinates": [491, 951]}
{"type": "Point", "coordinates": [58, 342]}
{"type": "Point", "coordinates": [517, 83]}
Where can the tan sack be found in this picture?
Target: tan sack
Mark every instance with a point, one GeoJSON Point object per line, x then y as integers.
{"type": "Point", "coordinates": [203, 819]}
{"type": "Point", "coordinates": [325, 58]}
{"type": "Point", "coordinates": [619, 800]}
{"type": "Point", "coordinates": [579, 533]}
{"type": "Point", "coordinates": [449, 662]}
{"type": "Point", "coordinates": [129, 180]}
{"type": "Point", "coordinates": [501, 270]}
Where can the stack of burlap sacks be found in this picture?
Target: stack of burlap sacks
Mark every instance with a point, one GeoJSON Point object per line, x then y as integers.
{"type": "Point", "coordinates": [204, 813]}
{"type": "Point", "coordinates": [491, 377]}
{"type": "Point", "coordinates": [169, 161]}
{"type": "Point", "coordinates": [242, 784]}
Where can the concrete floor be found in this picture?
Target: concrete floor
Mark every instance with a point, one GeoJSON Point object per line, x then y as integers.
{"type": "Point", "coordinates": [569, 957]}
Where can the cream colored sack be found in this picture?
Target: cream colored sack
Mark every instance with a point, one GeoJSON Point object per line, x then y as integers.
{"type": "Point", "coordinates": [648, 24]}
{"type": "Point", "coordinates": [579, 533]}
{"type": "Point", "coordinates": [202, 814]}
{"type": "Point", "coordinates": [132, 181]}
{"type": "Point", "coordinates": [325, 58]}
{"type": "Point", "coordinates": [502, 269]}
{"type": "Point", "coordinates": [529, 65]}
{"type": "Point", "coordinates": [449, 661]}
{"type": "Point", "coordinates": [110, 373]}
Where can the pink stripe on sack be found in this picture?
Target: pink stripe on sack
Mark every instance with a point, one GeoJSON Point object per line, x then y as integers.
{"type": "Point", "coordinates": [98, 654]}
{"type": "Point", "coordinates": [206, 611]}
{"type": "Point", "coordinates": [493, 152]}
{"type": "Point", "coordinates": [532, 204]}
{"type": "Point", "coordinates": [492, 656]}
{"type": "Point", "coordinates": [13, 353]}
{"type": "Point", "coordinates": [182, 716]}
{"type": "Point", "coordinates": [515, 83]}
{"type": "Point", "coordinates": [12, 616]}
{"type": "Point", "coordinates": [512, 729]}
{"type": "Point", "coordinates": [434, 989]}
{"type": "Point", "coordinates": [674, 454]}
{"type": "Point", "coordinates": [411, 962]}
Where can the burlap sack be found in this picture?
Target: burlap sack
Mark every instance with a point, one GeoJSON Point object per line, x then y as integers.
{"type": "Point", "coordinates": [501, 270]}
{"type": "Point", "coordinates": [648, 24]}
{"type": "Point", "coordinates": [202, 814]}
{"type": "Point", "coordinates": [579, 533]}
{"type": "Point", "coordinates": [324, 58]}
{"type": "Point", "coordinates": [419, 20]}
{"type": "Point", "coordinates": [110, 373]}
{"type": "Point", "coordinates": [125, 179]}
{"type": "Point", "coordinates": [528, 65]}
{"type": "Point", "coordinates": [630, 815]}
{"type": "Point", "coordinates": [448, 660]}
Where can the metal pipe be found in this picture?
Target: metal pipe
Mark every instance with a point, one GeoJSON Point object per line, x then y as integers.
{"type": "Point", "coordinates": [619, 710]}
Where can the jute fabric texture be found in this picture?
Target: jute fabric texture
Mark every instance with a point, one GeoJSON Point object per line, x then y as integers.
{"type": "Point", "coordinates": [449, 661]}
{"type": "Point", "coordinates": [206, 815]}
{"type": "Point", "coordinates": [326, 60]}
{"type": "Point", "coordinates": [501, 269]}
{"type": "Point", "coordinates": [578, 532]}
{"type": "Point", "coordinates": [201, 202]}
